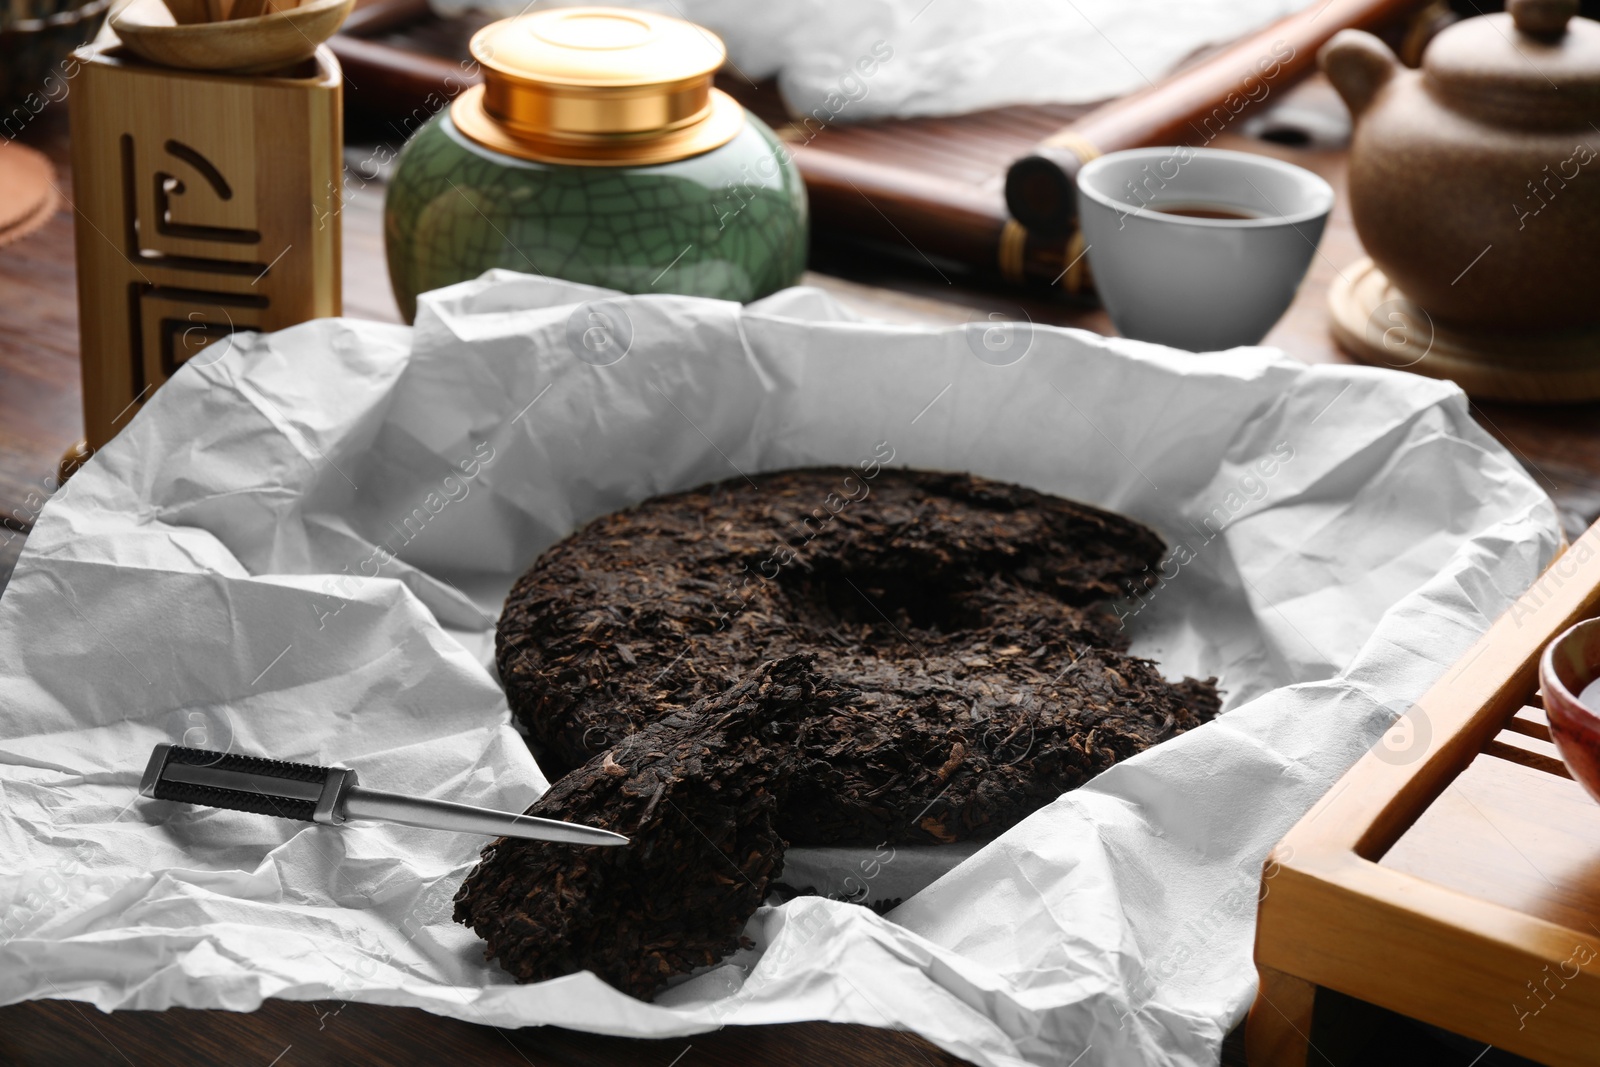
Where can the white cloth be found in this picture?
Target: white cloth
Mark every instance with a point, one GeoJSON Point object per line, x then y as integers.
{"type": "Point", "coordinates": [858, 60]}
{"type": "Point", "coordinates": [189, 585]}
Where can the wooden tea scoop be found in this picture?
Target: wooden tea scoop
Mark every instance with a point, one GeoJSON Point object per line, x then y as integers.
{"type": "Point", "coordinates": [241, 36]}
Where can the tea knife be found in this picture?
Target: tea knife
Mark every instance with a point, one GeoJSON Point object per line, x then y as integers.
{"type": "Point", "coordinates": [331, 796]}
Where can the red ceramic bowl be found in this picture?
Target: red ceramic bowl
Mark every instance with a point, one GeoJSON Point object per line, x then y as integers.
{"type": "Point", "coordinates": [1568, 665]}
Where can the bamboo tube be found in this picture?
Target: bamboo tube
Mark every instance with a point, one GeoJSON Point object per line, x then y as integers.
{"type": "Point", "coordinates": [1190, 108]}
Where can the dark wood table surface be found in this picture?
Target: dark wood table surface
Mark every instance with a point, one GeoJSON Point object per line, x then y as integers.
{"type": "Point", "coordinates": [40, 417]}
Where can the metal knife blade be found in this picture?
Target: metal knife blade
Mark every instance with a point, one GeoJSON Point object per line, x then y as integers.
{"type": "Point", "coordinates": [331, 796]}
{"type": "Point", "coordinates": [362, 803]}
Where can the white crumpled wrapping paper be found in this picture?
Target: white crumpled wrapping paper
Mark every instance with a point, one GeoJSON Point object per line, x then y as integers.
{"type": "Point", "coordinates": [189, 585]}
{"type": "Point", "coordinates": [860, 60]}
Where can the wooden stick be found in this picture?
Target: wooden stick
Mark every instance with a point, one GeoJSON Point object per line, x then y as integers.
{"type": "Point", "coordinates": [1189, 108]}
{"type": "Point", "coordinates": [188, 12]}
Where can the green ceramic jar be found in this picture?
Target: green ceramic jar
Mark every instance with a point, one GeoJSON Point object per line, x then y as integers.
{"type": "Point", "coordinates": [597, 151]}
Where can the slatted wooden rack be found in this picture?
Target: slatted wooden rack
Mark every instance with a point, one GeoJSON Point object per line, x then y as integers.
{"type": "Point", "coordinates": [1462, 886]}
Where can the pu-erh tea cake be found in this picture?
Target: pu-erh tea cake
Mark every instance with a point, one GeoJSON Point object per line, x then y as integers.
{"type": "Point", "coordinates": [812, 657]}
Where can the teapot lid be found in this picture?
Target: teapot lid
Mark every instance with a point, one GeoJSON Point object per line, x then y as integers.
{"type": "Point", "coordinates": [1538, 64]}
{"type": "Point", "coordinates": [597, 86]}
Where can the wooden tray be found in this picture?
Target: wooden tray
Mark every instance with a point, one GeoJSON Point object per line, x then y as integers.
{"type": "Point", "coordinates": [1454, 875]}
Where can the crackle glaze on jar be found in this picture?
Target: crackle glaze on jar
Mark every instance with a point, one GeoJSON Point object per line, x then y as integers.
{"type": "Point", "coordinates": [627, 171]}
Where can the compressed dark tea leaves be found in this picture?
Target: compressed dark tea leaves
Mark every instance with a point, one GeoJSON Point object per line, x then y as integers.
{"type": "Point", "coordinates": [907, 762]}
{"type": "Point", "coordinates": [821, 657]}
{"type": "Point", "coordinates": [970, 613]}
{"type": "Point", "coordinates": [697, 791]}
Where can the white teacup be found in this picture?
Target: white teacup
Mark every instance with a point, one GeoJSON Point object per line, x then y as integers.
{"type": "Point", "coordinates": [1200, 283]}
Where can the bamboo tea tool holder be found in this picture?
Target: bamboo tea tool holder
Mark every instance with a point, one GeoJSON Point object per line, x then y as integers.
{"type": "Point", "coordinates": [207, 202]}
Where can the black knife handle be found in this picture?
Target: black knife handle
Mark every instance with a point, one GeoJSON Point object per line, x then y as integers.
{"type": "Point", "coordinates": [234, 761]}
{"type": "Point", "coordinates": [297, 799]}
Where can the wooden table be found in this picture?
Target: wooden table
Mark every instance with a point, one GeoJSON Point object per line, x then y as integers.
{"type": "Point", "coordinates": [40, 416]}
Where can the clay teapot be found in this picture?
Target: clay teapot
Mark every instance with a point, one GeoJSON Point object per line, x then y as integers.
{"type": "Point", "coordinates": [1475, 182]}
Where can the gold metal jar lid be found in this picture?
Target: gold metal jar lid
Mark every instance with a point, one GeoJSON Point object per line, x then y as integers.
{"type": "Point", "coordinates": [597, 86]}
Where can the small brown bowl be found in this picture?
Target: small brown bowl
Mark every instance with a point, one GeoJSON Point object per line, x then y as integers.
{"type": "Point", "coordinates": [240, 46]}
{"type": "Point", "coordinates": [1568, 665]}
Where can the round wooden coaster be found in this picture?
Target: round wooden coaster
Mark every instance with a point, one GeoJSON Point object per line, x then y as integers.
{"type": "Point", "coordinates": [30, 200]}
{"type": "Point", "coordinates": [1378, 324]}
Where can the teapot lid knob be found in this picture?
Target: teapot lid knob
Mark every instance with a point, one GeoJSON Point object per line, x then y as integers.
{"type": "Point", "coordinates": [1542, 18]}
